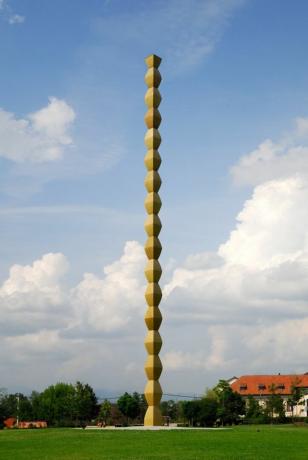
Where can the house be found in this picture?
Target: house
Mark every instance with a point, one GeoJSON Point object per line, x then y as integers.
{"type": "Point", "coordinates": [262, 386]}
{"type": "Point", "coordinates": [12, 423]}
{"type": "Point", "coordinates": [35, 424]}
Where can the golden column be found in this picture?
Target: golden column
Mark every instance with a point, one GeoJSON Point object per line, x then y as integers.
{"type": "Point", "coordinates": [153, 294]}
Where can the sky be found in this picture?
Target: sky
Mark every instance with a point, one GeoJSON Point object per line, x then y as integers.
{"type": "Point", "coordinates": [235, 191]}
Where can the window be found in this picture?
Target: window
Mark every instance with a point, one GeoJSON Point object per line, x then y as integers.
{"type": "Point", "coordinates": [261, 386]}
{"type": "Point", "coordinates": [243, 387]}
{"type": "Point", "coordinates": [280, 386]}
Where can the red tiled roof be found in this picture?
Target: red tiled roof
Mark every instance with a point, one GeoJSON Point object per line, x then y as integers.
{"type": "Point", "coordinates": [261, 384]}
{"type": "Point", "coordinates": [10, 422]}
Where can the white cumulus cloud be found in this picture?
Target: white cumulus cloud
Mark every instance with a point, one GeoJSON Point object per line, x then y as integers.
{"type": "Point", "coordinates": [32, 297]}
{"type": "Point", "coordinates": [109, 303]}
{"type": "Point", "coordinates": [271, 228]}
{"type": "Point", "coordinates": [253, 303]}
{"type": "Point", "coordinates": [56, 332]}
{"type": "Point", "coordinates": [275, 160]}
{"type": "Point", "coordinates": [40, 137]}
{"type": "Point", "coordinates": [243, 309]}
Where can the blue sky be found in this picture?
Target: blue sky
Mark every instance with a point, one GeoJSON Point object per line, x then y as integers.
{"type": "Point", "coordinates": [234, 73]}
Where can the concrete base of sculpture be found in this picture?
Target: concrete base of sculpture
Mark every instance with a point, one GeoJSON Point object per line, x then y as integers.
{"type": "Point", "coordinates": [152, 428]}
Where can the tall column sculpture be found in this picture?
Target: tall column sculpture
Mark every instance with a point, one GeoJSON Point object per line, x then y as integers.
{"type": "Point", "coordinates": [153, 294]}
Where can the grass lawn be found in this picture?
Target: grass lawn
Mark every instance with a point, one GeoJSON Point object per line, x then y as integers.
{"type": "Point", "coordinates": [253, 442]}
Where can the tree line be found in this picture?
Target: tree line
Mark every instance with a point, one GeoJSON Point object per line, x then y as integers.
{"type": "Point", "coordinates": [65, 404]}
{"type": "Point", "coordinates": [223, 406]}
{"type": "Point", "coordinates": [62, 404]}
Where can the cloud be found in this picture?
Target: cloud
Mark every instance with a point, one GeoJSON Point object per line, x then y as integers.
{"type": "Point", "coordinates": [110, 303]}
{"type": "Point", "coordinates": [242, 309]}
{"type": "Point", "coordinates": [274, 160]}
{"type": "Point", "coordinates": [103, 304]}
{"type": "Point", "coordinates": [40, 137]}
{"type": "Point", "coordinates": [8, 14]}
{"type": "Point", "coordinates": [256, 282]}
{"type": "Point", "coordinates": [206, 360]}
{"type": "Point", "coordinates": [285, 340]}
{"type": "Point", "coordinates": [264, 260]}
{"type": "Point", "coordinates": [48, 326]}
{"type": "Point", "coordinates": [16, 19]}
{"type": "Point", "coordinates": [253, 302]}
{"type": "Point", "coordinates": [271, 226]}
{"type": "Point", "coordinates": [188, 33]}
{"type": "Point", "coordinates": [54, 120]}
{"type": "Point", "coordinates": [302, 127]}
{"type": "Point", "coordinates": [32, 297]}
{"type": "Point", "coordinates": [37, 344]}
{"type": "Point", "coordinates": [185, 32]}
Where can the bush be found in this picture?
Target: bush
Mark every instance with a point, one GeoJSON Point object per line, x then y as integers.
{"type": "Point", "coordinates": [261, 420]}
{"type": "Point", "coordinates": [297, 419]}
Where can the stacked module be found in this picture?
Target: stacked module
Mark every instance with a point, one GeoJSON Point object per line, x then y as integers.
{"type": "Point", "coordinates": [153, 294]}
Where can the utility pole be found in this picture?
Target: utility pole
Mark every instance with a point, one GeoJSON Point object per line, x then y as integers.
{"type": "Point", "coordinates": [17, 417]}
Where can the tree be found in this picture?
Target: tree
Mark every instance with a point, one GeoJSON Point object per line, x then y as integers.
{"type": "Point", "coordinates": [85, 402]}
{"type": "Point", "coordinates": [169, 409]}
{"type": "Point", "coordinates": [191, 411]}
{"type": "Point", "coordinates": [253, 409]}
{"type": "Point", "coordinates": [117, 418]}
{"type": "Point", "coordinates": [64, 404]}
{"type": "Point", "coordinates": [105, 412]}
{"type": "Point", "coordinates": [296, 394]}
{"type": "Point", "coordinates": [9, 405]}
{"type": "Point", "coordinates": [274, 405]}
{"type": "Point", "coordinates": [15, 405]}
{"type": "Point", "coordinates": [129, 405]}
{"type": "Point", "coordinates": [201, 412]}
{"type": "Point", "coordinates": [210, 394]}
{"type": "Point", "coordinates": [35, 399]}
{"type": "Point", "coordinates": [143, 405]}
{"type": "Point", "coordinates": [24, 408]}
{"type": "Point", "coordinates": [56, 404]}
{"type": "Point", "coordinates": [230, 403]}
{"type": "Point", "coordinates": [208, 411]}
{"type": "Point", "coordinates": [254, 412]}
{"type": "Point", "coordinates": [3, 414]}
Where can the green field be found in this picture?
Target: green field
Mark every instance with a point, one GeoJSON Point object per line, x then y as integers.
{"type": "Point", "coordinates": [254, 442]}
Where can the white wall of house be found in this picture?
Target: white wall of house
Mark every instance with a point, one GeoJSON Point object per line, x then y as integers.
{"type": "Point", "coordinates": [301, 410]}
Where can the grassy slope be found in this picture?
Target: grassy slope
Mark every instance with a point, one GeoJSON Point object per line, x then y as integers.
{"type": "Point", "coordinates": [260, 443]}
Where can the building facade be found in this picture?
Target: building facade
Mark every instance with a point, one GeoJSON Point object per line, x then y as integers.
{"type": "Point", "coordinates": [261, 387]}
{"type": "Point", "coordinates": [12, 422]}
